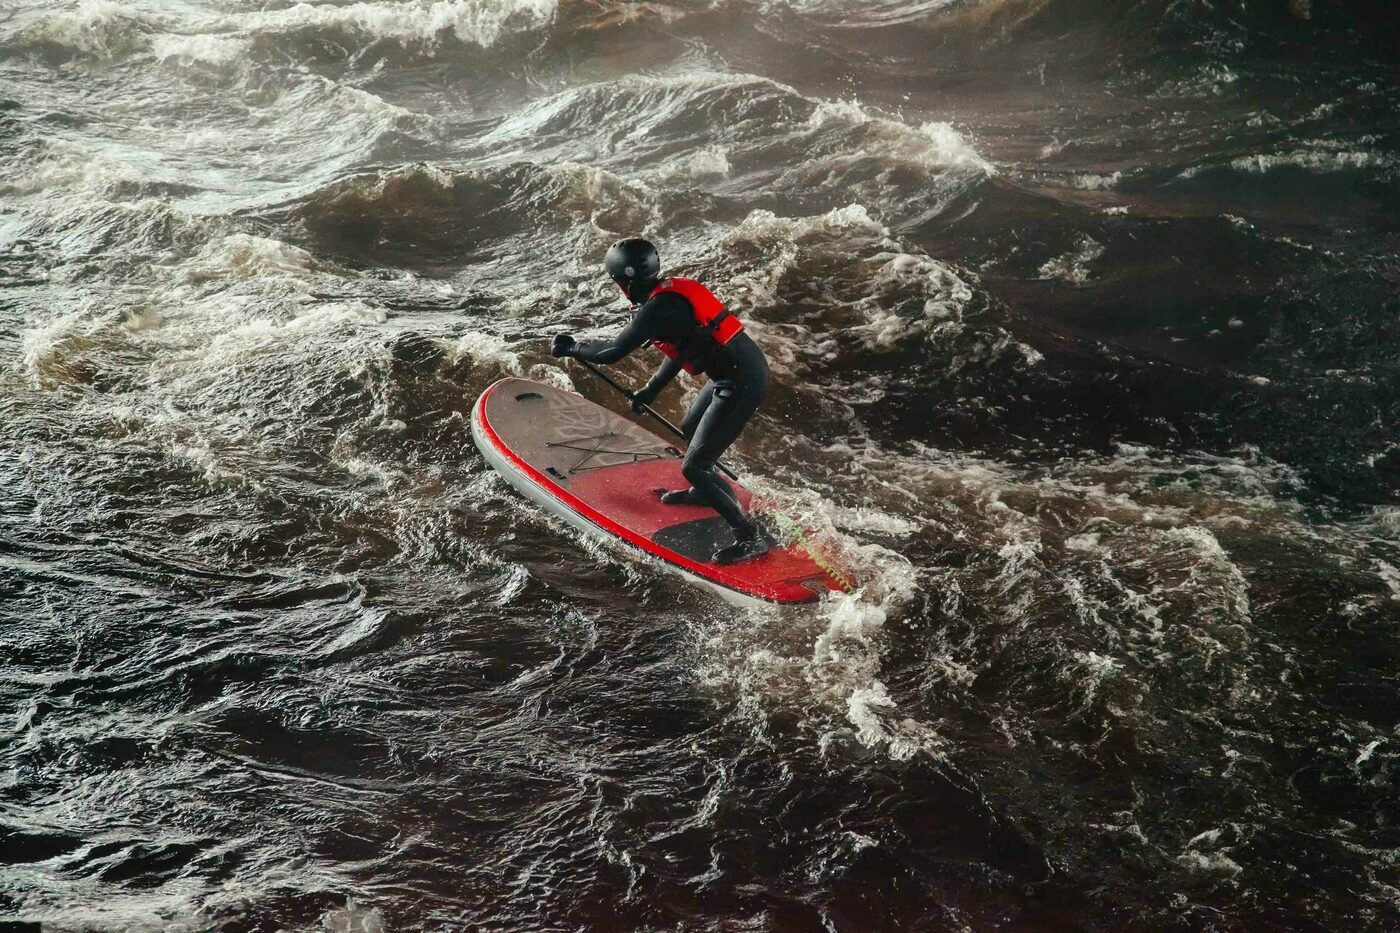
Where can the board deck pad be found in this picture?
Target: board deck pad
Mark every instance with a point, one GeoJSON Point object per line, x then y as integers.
{"type": "Point", "coordinates": [699, 538]}
{"type": "Point", "coordinates": [603, 471]}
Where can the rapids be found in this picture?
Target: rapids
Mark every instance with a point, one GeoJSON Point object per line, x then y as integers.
{"type": "Point", "coordinates": [1083, 326]}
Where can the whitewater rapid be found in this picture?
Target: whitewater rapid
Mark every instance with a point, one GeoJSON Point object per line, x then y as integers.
{"type": "Point", "coordinates": [1081, 328]}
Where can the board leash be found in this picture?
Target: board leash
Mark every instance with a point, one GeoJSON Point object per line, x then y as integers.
{"type": "Point", "coordinates": [796, 535]}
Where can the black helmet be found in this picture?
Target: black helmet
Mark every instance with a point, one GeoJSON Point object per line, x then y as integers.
{"type": "Point", "coordinates": [634, 264]}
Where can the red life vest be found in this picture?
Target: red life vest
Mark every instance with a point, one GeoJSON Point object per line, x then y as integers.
{"type": "Point", "coordinates": [710, 316]}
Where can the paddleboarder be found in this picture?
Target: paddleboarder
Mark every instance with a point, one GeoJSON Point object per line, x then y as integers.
{"type": "Point", "coordinates": [690, 326]}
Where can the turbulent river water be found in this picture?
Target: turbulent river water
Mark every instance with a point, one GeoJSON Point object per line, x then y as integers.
{"type": "Point", "coordinates": [1086, 353]}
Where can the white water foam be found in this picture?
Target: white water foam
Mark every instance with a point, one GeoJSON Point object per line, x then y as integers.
{"type": "Point", "coordinates": [1073, 266]}
{"type": "Point", "coordinates": [709, 162]}
{"type": "Point", "coordinates": [740, 110]}
{"type": "Point", "coordinates": [205, 48]}
{"type": "Point", "coordinates": [99, 28]}
{"type": "Point", "coordinates": [1088, 181]}
{"type": "Point", "coordinates": [823, 664]}
{"type": "Point", "coordinates": [60, 164]}
{"type": "Point", "coordinates": [479, 22]}
{"type": "Point", "coordinates": [1316, 160]}
{"type": "Point", "coordinates": [241, 255]}
{"type": "Point", "coordinates": [932, 146]}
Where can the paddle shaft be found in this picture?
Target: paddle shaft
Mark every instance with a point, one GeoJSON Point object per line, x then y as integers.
{"type": "Point", "coordinates": [649, 410]}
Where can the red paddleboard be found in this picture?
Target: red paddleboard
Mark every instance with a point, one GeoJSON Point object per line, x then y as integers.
{"type": "Point", "coordinates": [603, 474]}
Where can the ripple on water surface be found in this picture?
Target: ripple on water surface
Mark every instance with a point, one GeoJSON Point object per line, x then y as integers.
{"type": "Point", "coordinates": [1080, 333]}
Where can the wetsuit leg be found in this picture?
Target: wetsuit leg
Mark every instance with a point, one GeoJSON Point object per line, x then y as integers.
{"type": "Point", "coordinates": [697, 410]}
{"type": "Point", "coordinates": [719, 426]}
{"type": "Point", "coordinates": [693, 496]}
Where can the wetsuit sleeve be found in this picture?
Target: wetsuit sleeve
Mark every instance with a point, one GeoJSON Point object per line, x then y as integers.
{"type": "Point", "coordinates": [664, 375]}
{"type": "Point", "coordinates": [641, 329]}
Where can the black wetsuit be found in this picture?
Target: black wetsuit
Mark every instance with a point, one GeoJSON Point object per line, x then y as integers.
{"type": "Point", "coordinates": [738, 384]}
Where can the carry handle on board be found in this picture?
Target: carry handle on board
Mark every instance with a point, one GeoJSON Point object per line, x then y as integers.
{"type": "Point", "coordinates": [649, 410]}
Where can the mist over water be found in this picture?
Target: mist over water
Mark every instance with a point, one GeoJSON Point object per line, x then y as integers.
{"type": "Point", "coordinates": [1085, 342]}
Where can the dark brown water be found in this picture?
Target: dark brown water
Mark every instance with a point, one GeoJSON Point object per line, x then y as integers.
{"type": "Point", "coordinates": [1086, 345]}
